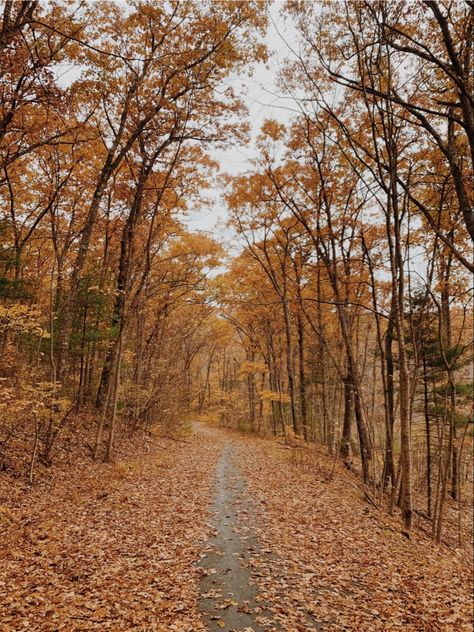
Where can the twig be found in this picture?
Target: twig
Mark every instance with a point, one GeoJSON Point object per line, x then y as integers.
{"type": "Point", "coordinates": [423, 515]}
{"type": "Point", "coordinates": [34, 452]}
{"type": "Point", "coordinates": [369, 499]}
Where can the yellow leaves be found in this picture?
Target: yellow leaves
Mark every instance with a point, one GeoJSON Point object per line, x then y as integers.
{"type": "Point", "coordinates": [19, 318]}
{"type": "Point", "coordinates": [198, 245]}
{"type": "Point", "coordinates": [17, 404]}
{"type": "Point", "coordinates": [274, 396]}
{"type": "Point", "coordinates": [212, 418]}
{"type": "Point", "coordinates": [252, 368]}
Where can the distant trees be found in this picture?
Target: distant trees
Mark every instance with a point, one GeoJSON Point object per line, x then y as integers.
{"type": "Point", "coordinates": [354, 224]}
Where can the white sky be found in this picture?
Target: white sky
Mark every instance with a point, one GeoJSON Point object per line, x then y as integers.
{"type": "Point", "coordinates": [263, 100]}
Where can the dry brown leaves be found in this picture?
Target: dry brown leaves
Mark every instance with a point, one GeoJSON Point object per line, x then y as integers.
{"type": "Point", "coordinates": [114, 547]}
{"type": "Point", "coordinates": [337, 563]}
{"type": "Point", "coordinates": [108, 547]}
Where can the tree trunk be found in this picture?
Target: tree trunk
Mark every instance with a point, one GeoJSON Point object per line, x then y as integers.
{"type": "Point", "coordinates": [302, 378]}
{"type": "Point", "coordinates": [289, 367]}
{"type": "Point", "coordinates": [345, 448]}
{"type": "Point", "coordinates": [429, 490]}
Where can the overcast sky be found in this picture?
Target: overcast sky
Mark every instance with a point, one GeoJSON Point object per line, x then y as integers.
{"type": "Point", "coordinates": [264, 100]}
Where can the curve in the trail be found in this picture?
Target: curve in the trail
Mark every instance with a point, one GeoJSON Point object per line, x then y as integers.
{"type": "Point", "coordinates": [228, 597]}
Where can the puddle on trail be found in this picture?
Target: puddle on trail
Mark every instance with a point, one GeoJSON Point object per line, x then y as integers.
{"type": "Point", "coordinates": [227, 594]}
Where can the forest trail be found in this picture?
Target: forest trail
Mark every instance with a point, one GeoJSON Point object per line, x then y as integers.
{"type": "Point", "coordinates": [130, 546]}
{"type": "Point", "coordinates": [227, 591]}
{"type": "Point", "coordinates": [257, 215]}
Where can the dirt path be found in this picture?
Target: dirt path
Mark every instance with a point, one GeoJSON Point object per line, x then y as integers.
{"type": "Point", "coordinates": [227, 593]}
{"type": "Point", "coordinates": [129, 546]}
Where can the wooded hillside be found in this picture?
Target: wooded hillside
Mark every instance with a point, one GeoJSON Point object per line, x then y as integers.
{"type": "Point", "coordinates": [341, 322]}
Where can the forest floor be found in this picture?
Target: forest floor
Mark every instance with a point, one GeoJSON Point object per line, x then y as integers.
{"type": "Point", "coordinates": [220, 532]}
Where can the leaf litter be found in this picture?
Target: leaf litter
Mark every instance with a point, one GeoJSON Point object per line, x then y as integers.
{"type": "Point", "coordinates": [109, 547]}
{"type": "Point", "coordinates": [117, 547]}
